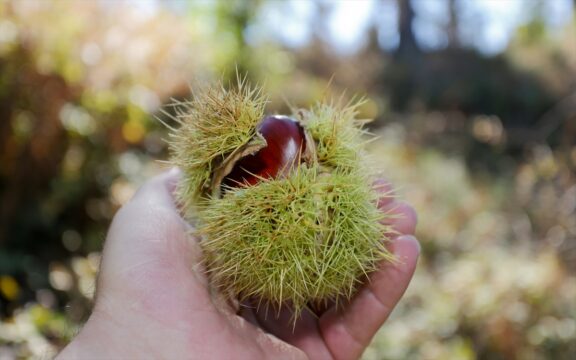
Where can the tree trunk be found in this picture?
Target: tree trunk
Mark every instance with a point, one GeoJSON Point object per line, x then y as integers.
{"type": "Point", "coordinates": [452, 28]}
{"type": "Point", "coordinates": [408, 47]}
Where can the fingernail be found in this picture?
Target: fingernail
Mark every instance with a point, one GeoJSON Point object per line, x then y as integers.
{"type": "Point", "coordinates": [174, 171]}
{"type": "Point", "coordinates": [410, 238]}
{"type": "Point", "coordinates": [173, 175]}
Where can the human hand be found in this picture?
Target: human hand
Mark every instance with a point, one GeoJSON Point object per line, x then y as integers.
{"type": "Point", "coordinates": [153, 299]}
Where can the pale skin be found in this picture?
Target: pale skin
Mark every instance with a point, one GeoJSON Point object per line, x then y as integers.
{"type": "Point", "coordinates": [153, 298]}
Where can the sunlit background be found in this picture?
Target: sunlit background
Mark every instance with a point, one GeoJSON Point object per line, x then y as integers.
{"type": "Point", "coordinates": [474, 103]}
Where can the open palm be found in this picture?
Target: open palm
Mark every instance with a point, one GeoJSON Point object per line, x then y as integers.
{"type": "Point", "coordinates": [152, 303]}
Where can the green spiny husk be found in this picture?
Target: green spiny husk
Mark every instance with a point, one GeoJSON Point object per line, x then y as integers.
{"type": "Point", "coordinates": [301, 240]}
{"type": "Point", "coordinates": [338, 134]}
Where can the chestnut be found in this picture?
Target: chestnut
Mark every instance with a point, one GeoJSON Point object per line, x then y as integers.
{"type": "Point", "coordinates": [286, 143]}
{"type": "Point", "coordinates": [284, 209]}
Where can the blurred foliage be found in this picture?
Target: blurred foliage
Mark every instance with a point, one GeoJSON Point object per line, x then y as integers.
{"type": "Point", "coordinates": [484, 147]}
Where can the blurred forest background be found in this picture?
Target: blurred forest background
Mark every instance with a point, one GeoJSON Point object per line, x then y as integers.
{"type": "Point", "coordinates": [474, 104]}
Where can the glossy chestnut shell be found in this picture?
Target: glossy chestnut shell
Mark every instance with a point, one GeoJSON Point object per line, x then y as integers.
{"type": "Point", "coordinates": [285, 145]}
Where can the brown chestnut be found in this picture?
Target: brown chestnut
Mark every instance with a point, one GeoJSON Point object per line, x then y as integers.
{"type": "Point", "coordinates": [286, 143]}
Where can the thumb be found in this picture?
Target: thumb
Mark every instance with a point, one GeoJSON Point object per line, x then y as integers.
{"type": "Point", "coordinates": [149, 253]}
